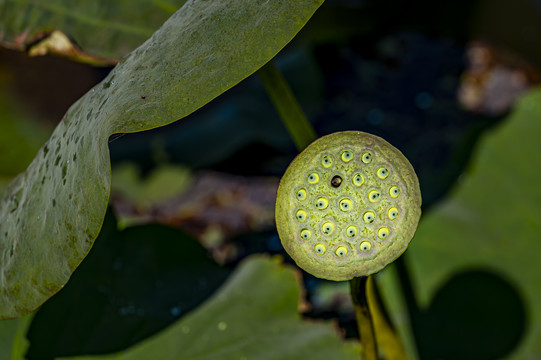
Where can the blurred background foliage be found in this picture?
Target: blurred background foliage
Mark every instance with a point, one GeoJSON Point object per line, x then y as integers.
{"type": "Point", "coordinates": [439, 80]}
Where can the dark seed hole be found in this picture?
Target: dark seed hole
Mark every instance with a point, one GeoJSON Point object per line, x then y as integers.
{"type": "Point", "coordinates": [336, 181]}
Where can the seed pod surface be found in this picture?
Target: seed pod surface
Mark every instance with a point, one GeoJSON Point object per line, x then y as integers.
{"type": "Point", "coordinates": [347, 206]}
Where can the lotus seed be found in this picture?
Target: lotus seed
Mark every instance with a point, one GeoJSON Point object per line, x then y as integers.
{"type": "Point", "coordinates": [365, 246]}
{"type": "Point", "coordinates": [313, 178]}
{"type": "Point", "coordinates": [383, 232]}
{"type": "Point", "coordinates": [394, 191]}
{"type": "Point", "coordinates": [341, 251]}
{"type": "Point", "coordinates": [366, 158]}
{"type": "Point", "coordinates": [369, 217]}
{"type": "Point", "coordinates": [336, 181]}
{"type": "Point", "coordinates": [347, 156]}
{"type": "Point", "coordinates": [301, 194]}
{"type": "Point", "coordinates": [322, 203]}
{"type": "Point", "coordinates": [306, 234]}
{"type": "Point", "coordinates": [382, 173]}
{"type": "Point", "coordinates": [326, 161]}
{"type": "Point", "coordinates": [392, 213]}
{"type": "Point", "coordinates": [373, 196]}
{"type": "Point", "coordinates": [345, 205]}
{"type": "Point", "coordinates": [358, 179]}
{"type": "Point", "coordinates": [320, 249]}
{"type": "Point", "coordinates": [301, 215]}
{"type": "Point", "coordinates": [327, 228]}
{"type": "Point", "coordinates": [351, 231]}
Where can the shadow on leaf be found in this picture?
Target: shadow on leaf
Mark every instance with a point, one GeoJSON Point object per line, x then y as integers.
{"type": "Point", "coordinates": [476, 315]}
{"type": "Point", "coordinates": [132, 284]}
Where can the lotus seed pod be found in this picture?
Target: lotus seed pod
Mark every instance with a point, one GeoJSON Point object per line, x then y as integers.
{"type": "Point", "coordinates": [347, 206]}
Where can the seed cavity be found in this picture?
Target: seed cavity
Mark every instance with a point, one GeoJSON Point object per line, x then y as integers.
{"type": "Point", "coordinates": [301, 194]}
{"type": "Point", "coordinates": [351, 231]}
{"type": "Point", "coordinates": [313, 178]}
{"type": "Point", "coordinates": [326, 161]}
{"type": "Point", "coordinates": [383, 232]}
{"type": "Point", "coordinates": [394, 191]}
{"type": "Point", "coordinates": [320, 249]}
{"type": "Point", "coordinates": [374, 196]}
{"type": "Point", "coordinates": [341, 251]}
{"type": "Point", "coordinates": [366, 157]}
{"type": "Point", "coordinates": [358, 179]}
{"type": "Point", "coordinates": [369, 217]}
{"type": "Point", "coordinates": [336, 181]}
{"type": "Point", "coordinates": [322, 203]}
{"type": "Point", "coordinates": [346, 156]}
{"type": "Point", "coordinates": [306, 234]}
{"type": "Point", "coordinates": [365, 246]}
{"type": "Point", "coordinates": [327, 228]}
{"type": "Point", "coordinates": [392, 213]}
{"type": "Point", "coordinates": [382, 173]}
{"type": "Point", "coordinates": [301, 215]}
{"type": "Point", "coordinates": [345, 204]}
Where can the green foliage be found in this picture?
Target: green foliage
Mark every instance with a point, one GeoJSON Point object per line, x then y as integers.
{"type": "Point", "coordinates": [161, 184]}
{"type": "Point", "coordinates": [491, 220]}
{"type": "Point", "coordinates": [13, 343]}
{"type": "Point", "coordinates": [104, 28]}
{"type": "Point", "coordinates": [254, 316]}
{"type": "Point", "coordinates": [51, 214]}
{"type": "Point", "coordinates": [133, 283]}
{"type": "Point", "coordinates": [20, 137]}
{"type": "Point", "coordinates": [286, 104]}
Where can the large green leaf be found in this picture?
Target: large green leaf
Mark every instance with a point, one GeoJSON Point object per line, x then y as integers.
{"type": "Point", "coordinates": [51, 214]}
{"type": "Point", "coordinates": [254, 316]}
{"type": "Point", "coordinates": [101, 27]}
{"type": "Point", "coordinates": [492, 221]}
{"type": "Point", "coordinates": [133, 283]}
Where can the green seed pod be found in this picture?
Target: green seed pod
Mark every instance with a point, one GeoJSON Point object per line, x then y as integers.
{"type": "Point", "coordinates": [358, 209]}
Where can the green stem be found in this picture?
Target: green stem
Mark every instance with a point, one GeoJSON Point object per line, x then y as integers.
{"type": "Point", "coordinates": [358, 288]}
{"type": "Point", "coordinates": [388, 341]}
{"type": "Point", "coordinates": [303, 134]}
{"type": "Point", "coordinates": [287, 106]}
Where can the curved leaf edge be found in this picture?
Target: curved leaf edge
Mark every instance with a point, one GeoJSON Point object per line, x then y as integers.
{"type": "Point", "coordinates": [51, 214]}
